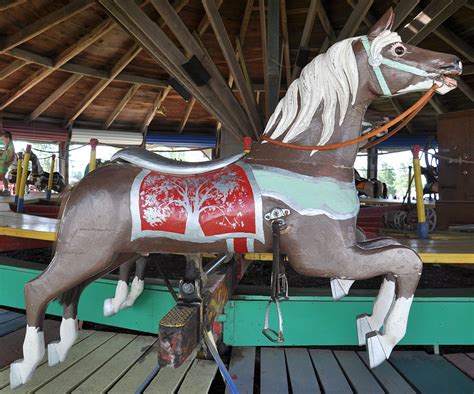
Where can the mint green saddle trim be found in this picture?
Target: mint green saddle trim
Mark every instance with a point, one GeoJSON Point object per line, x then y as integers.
{"type": "Point", "coordinates": [308, 195]}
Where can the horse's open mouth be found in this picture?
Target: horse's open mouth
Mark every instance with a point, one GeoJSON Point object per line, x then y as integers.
{"type": "Point", "coordinates": [448, 80]}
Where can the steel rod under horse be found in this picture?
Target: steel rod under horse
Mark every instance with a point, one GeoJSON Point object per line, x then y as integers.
{"type": "Point", "coordinates": [123, 210]}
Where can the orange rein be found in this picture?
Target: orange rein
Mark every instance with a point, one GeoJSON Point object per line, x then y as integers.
{"type": "Point", "coordinates": [409, 114]}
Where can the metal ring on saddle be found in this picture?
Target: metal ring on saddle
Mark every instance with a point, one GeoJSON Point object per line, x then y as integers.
{"type": "Point", "coordinates": [270, 333]}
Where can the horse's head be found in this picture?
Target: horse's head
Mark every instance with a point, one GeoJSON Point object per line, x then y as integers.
{"type": "Point", "coordinates": [396, 68]}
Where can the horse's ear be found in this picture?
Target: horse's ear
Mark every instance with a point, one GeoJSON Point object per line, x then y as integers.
{"type": "Point", "coordinates": [384, 23]}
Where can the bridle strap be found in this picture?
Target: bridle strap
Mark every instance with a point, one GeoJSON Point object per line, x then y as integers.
{"type": "Point", "coordinates": [376, 62]}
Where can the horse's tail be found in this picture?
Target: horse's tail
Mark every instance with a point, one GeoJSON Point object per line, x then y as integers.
{"type": "Point", "coordinates": [71, 295]}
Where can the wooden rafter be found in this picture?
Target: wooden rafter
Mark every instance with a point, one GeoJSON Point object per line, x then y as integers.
{"type": "Point", "coordinates": [102, 84]}
{"type": "Point", "coordinates": [166, 54]}
{"type": "Point", "coordinates": [273, 56]}
{"type": "Point", "coordinates": [11, 68]}
{"type": "Point", "coordinates": [455, 42]}
{"type": "Point", "coordinates": [156, 104]}
{"type": "Point", "coordinates": [232, 62]}
{"type": "Point", "coordinates": [204, 24]}
{"type": "Point", "coordinates": [47, 22]}
{"type": "Point", "coordinates": [187, 113]}
{"type": "Point", "coordinates": [240, 55]}
{"type": "Point", "coordinates": [263, 37]}
{"type": "Point", "coordinates": [402, 10]}
{"type": "Point", "coordinates": [355, 19]}
{"type": "Point", "coordinates": [286, 42]}
{"type": "Point", "coordinates": [437, 105]}
{"type": "Point", "coordinates": [192, 46]}
{"type": "Point", "coordinates": [6, 4]}
{"type": "Point", "coordinates": [63, 58]}
{"type": "Point", "coordinates": [53, 97]}
{"type": "Point", "coordinates": [468, 70]}
{"type": "Point", "coordinates": [466, 89]}
{"type": "Point", "coordinates": [121, 105]}
{"type": "Point", "coordinates": [307, 29]}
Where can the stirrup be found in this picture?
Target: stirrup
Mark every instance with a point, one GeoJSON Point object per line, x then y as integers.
{"type": "Point", "coordinates": [270, 333]}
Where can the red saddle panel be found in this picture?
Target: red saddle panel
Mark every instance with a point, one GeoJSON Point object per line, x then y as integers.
{"type": "Point", "coordinates": [221, 204]}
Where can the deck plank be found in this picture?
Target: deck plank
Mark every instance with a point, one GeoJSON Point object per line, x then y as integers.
{"type": "Point", "coordinates": [43, 372]}
{"type": "Point", "coordinates": [169, 379]}
{"type": "Point", "coordinates": [388, 377]}
{"type": "Point", "coordinates": [471, 355]}
{"type": "Point", "coordinates": [106, 376]}
{"type": "Point", "coordinates": [300, 369]}
{"type": "Point", "coordinates": [359, 376]}
{"type": "Point", "coordinates": [462, 362]}
{"type": "Point", "coordinates": [134, 377]}
{"type": "Point", "coordinates": [329, 372]}
{"type": "Point", "coordinates": [72, 377]}
{"type": "Point", "coordinates": [431, 373]}
{"type": "Point", "coordinates": [273, 377]}
{"type": "Point", "coordinates": [242, 369]}
{"type": "Point", "coordinates": [199, 377]}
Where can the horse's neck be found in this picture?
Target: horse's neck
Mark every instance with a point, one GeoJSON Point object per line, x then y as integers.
{"type": "Point", "coordinates": [337, 163]}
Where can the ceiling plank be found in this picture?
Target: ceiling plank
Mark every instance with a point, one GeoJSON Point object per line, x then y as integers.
{"type": "Point", "coordinates": [11, 68]}
{"type": "Point", "coordinates": [437, 21]}
{"type": "Point", "coordinates": [156, 105]}
{"type": "Point", "coordinates": [187, 113]}
{"type": "Point", "coordinates": [232, 62]}
{"type": "Point", "coordinates": [466, 89]}
{"type": "Point", "coordinates": [47, 22]}
{"type": "Point", "coordinates": [423, 19]}
{"type": "Point", "coordinates": [240, 55]}
{"type": "Point", "coordinates": [121, 105]}
{"type": "Point", "coordinates": [263, 38]}
{"type": "Point", "coordinates": [63, 58]}
{"type": "Point", "coordinates": [6, 4]}
{"type": "Point", "coordinates": [102, 84]}
{"type": "Point", "coordinates": [355, 19]}
{"type": "Point", "coordinates": [273, 57]}
{"type": "Point", "coordinates": [53, 97]}
{"type": "Point", "coordinates": [165, 53]}
{"type": "Point", "coordinates": [286, 42]}
{"type": "Point", "coordinates": [306, 35]}
{"type": "Point", "coordinates": [402, 10]}
{"type": "Point", "coordinates": [192, 46]}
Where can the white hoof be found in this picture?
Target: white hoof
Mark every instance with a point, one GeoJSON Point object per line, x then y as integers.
{"type": "Point", "coordinates": [363, 328]}
{"type": "Point", "coordinates": [53, 356]}
{"type": "Point", "coordinates": [340, 288]}
{"type": "Point", "coordinates": [21, 372]}
{"type": "Point", "coordinates": [109, 307]}
{"type": "Point", "coordinates": [375, 349]}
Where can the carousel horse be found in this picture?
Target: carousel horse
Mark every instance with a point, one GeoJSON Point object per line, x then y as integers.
{"type": "Point", "coordinates": [148, 205]}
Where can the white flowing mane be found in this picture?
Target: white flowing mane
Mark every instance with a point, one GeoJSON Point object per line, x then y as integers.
{"type": "Point", "coordinates": [330, 79]}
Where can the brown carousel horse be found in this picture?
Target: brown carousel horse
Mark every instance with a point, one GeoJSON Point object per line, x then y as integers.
{"type": "Point", "coordinates": [121, 211]}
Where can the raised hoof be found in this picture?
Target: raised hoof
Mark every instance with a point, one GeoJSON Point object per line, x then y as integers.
{"type": "Point", "coordinates": [338, 290]}
{"type": "Point", "coordinates": [363, 328]}
{"type": "Point", "coordinates": [375, 349]}
{"type": "Point", "coordinates": [109, 308]}
{"type": "Point", "coordinates": [20, 373]}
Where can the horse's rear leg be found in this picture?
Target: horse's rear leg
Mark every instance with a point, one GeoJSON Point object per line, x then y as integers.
{"type": "Point", "coordinates": [380, 346]}
{"type": "Point", "coordinates": [383, 302]}
{"type": "Point", "coordinates": [138, 283]}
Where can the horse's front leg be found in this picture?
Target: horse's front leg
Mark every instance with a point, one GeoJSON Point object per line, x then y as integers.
{"type": "Point", "coordinates": [138, 283]}
{"type": "Point", "coordinates": [113, 305]}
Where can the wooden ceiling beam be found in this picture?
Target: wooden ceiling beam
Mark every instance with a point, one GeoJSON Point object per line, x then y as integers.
{"type": "Point", "coordinates": [455, 42]}
{"type": "Point", "coordinates": [438, 106]}
{"type": "Point", "coordinates": [63, 58]}
{"type": "Point", "coordinates": [165, 53]}
{"type": "Point", "coordinates": [53, 97]}
{"type": "Point", "coordinates": [121, 105]}
{"type": "Point", "coordinates": [187, 113]}
{"type": "Point", "coordinates": [286, 42]}
{"type": "Point", "coordinates": [47, 22]}
{"type": "Point", "coordinates": [223, 39]}
{"type": "Point", "coordinates": [306, 35]}
{"type": "Point", "coordinates": [468, 70]}
{"type": "Point", "coordinates": [6, 4]}
{"type": "Point", "coordinates": [466, 89]}
{"type": "Point", "coordinates": [12, 67]}
{"type": "Point", "coordinates": [240, 54]}
{"type": "Point", "coordinates": [204, 24]}
{"type": "Point", "coordinates": [263, 38]}
{"type": "Point", "coordinates": [355, 19]}
{"type": "Point", "coordinates": [216, 83]}
{"type": "Point", "coordinates": [273, 57]}
{"type": "Point", "coordinates": [155, 106]}
{"type": "Point", "coordinates": [402, 10]}
{"type": "Point", "coordinates": [102, 84]}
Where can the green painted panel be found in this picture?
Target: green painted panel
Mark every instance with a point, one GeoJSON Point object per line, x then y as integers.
{"type": "Point", "coordinates": [144, 316]}
{"type": "Point", "coordinates": [321, 321]}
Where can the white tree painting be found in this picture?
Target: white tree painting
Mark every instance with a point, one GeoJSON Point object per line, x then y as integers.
{"type": "Point", "coordinates": [217, 194]}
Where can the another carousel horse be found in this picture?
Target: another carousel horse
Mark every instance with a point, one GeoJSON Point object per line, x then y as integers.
{"type": "Point", "coordinates": [125, 210]}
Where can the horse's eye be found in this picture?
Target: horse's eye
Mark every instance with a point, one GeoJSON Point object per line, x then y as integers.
{"type": "Point", "coordinates": [398, 50]}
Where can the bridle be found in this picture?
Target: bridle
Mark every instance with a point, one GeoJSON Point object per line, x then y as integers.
{"type": "Point", "coordinates": [403, 118]}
